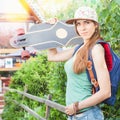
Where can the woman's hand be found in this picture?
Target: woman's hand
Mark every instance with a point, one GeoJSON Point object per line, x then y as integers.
{"type": "Point", "coordinates": [72, 109]}
{"type": "Point", "coordinates": [69, 110]}
{"type": "Point", "coordinates": [52, 20]}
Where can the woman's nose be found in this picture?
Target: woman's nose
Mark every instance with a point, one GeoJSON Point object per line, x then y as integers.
{"type": "Point", "coordinates": [81, 27]}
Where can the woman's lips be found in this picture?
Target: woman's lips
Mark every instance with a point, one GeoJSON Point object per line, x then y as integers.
{"type": "Point", "coordinates": [85, 33]}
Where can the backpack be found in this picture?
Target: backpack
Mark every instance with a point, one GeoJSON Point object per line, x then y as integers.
{"type": "Point", "coordinates": [113, 65]}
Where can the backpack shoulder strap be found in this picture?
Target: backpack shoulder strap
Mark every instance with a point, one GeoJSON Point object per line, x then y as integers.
{"type": "Point", "coordinates": [92, 77]}
{"type": "Point", "coordinates": [76, 48]}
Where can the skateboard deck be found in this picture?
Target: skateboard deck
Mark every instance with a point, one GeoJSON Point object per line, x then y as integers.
{"type": "Point", "coordinates": [44, 36]}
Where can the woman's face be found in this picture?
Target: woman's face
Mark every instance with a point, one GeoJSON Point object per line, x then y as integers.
{"type": "Point", "coordinates": [85, 28]}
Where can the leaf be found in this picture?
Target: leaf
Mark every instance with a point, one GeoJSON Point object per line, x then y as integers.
{"type": "Point", "coordinates": [117, 1]}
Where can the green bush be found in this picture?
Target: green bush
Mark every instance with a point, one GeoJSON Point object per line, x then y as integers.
{"type": "Point", "coordinates": [57, 88]}
{"type": "Point", "coordinates": [30, 78]}
{"type": "Point", "coordinates": [40, 78]}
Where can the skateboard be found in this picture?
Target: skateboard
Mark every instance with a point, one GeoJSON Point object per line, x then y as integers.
{"type": "Point", "coordinates": [45, 36]}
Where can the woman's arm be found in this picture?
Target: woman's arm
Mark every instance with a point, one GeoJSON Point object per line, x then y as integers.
{"type": "Point", "coordinates": [57, 56]}
{"type": "Point", "coordinates": [103, 80]}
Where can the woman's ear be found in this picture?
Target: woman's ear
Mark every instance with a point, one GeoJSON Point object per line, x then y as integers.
{"type": "Point", "coordinates": [96, 25]}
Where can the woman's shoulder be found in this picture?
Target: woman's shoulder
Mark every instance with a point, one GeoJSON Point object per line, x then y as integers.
{"type": "Point", "coordinates": [98, 46]}
{"type": "Point", "coordinates": [97, 50]}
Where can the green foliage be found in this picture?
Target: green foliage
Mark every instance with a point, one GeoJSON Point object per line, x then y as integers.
{"type": "Point", "coordinates": [32, 79]}
{"type": "Point", "coordinates": [108, 12]}
{"type": "Point", "coordinates": [57, 88]}
{"type": "Point", "coordinates": [12, 111]}
{"type": "Point", "coordinates": [40, 78]}
{"type": "Point", "coordinates": [32, 75]}
{"type": "Point", "coordinates": [57, 80]}
{"type": "Point", "coordinates": [112, 112]}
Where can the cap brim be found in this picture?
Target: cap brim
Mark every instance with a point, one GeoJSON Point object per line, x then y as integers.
{"type": "Point", "coordinates": [70, 21]}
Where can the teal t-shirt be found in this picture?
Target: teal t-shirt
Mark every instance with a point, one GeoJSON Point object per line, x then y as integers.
{"type": "Point", "coordinates": [78, 86]}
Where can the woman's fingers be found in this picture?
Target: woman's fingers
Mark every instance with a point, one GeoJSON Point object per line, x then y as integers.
{"type": "Point", "coordinates": [52, 20]}
{"type": "Point", "coordinates": [69, 110]}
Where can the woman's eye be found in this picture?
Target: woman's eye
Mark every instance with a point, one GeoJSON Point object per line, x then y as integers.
{"type": "Point", "coordinates": [77, 24]}
{"type": "Point", "coordinates": [87, 22]}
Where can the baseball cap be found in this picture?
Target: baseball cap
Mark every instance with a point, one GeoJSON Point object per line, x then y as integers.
{"type": "Point", "coordinates": [84, 12]}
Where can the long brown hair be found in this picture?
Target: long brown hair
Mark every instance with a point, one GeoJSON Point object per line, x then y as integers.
{"type": "Point", "coordinates": [82, 55]}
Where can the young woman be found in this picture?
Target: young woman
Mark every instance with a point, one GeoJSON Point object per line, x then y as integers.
{"type": "Point", "coordinates": [81, 104]}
